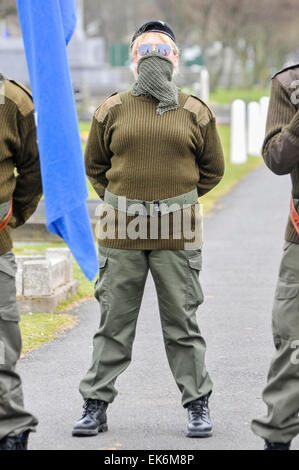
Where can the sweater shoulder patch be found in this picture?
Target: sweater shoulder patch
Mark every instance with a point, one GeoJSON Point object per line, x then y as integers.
{"type": "Point", "coordinates": [288, 75]}
{"type": "Point", "coordinates": [198, 107]}
{"type": "Point", "coordinates": [290, 67]}
{"type": "Point", "coordinates": [111, 101]}
{"type": "Point", "coordinates": [20, 95]}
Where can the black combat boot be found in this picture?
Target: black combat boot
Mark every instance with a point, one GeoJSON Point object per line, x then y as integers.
{"type": "Point", "coordinates": [19, 442]}
{"type": "Point", "coordinates": [277, 445]}
{"type": "Point", "coordinates": [199, 418]}
{"type": "Point", "coordinates": [93, 420]}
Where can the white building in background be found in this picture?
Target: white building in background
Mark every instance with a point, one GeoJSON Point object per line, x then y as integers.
{"type": "Point", "coordinates": [91, 73]}
{"type": "Point", "coordinates": [89, 70]}
{"type": "Point", "coordinates": [13, 60]}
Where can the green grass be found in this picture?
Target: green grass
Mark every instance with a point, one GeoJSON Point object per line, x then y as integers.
{"type": "Point", "coordinates": [224, 96]}
{"type": "Point", "coordinates": [84, 126]}
{"type": "Point", "coordinates": [227, 96]}
{"type": "Point", "coordinates": [39, 328]}
{"type": "Point", "coordinates": [91, 192]}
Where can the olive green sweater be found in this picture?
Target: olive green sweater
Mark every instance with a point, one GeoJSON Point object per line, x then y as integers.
{"type": "Point", "coordinates": [135, 152]}
{"type": "Point", "coordinates": [281, 144]}
{"type": "Point", "coordinates": [18, 151]}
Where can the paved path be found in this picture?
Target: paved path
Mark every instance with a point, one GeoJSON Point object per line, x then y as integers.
{"type": "Point", "coordinates": [243, 242]}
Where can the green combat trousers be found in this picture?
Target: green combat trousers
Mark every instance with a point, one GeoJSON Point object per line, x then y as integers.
{"type": "Point", "coordinates": [119, 290]}
{"type": "Point", "coordinates": [281, 394]}
{"type": "Point", "coordinates": [13, 418]}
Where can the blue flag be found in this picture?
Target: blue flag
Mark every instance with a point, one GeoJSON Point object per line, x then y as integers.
{"type": "Point", "coordinates": [47, 26]}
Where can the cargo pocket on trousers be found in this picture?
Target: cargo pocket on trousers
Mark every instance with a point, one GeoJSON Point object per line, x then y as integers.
{"type": "Point", "coordinates": [285, 318]}
{"type": "Point", "coordinates": [8, 303]}
{"type": "Point", "coordinates": [101, 287]}
{"type": "Point", "coordinates": [195, 295]}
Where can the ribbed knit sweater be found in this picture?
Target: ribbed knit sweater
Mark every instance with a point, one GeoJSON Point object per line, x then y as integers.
{"type": "Point", "coordinates": [135, 152]}
{"type": "Point", "coordinates": [18, 150]}
{"type": "Point", "coordinates": [281, 144]}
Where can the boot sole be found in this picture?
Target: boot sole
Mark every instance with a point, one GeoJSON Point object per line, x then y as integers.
{"type": "Point", "coordinates": [199, 434]}
{"type": "Point", "coordinates": [90, 432]}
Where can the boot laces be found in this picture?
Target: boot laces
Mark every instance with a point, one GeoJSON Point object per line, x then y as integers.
{"type": "Point", "coordinates": [13, 443]}
{"type": "Point", "coordinates": [91, 406]}
{"type": "Point", "coordinates": [199, 408]}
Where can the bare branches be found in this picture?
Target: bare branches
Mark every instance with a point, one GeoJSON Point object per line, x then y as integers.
{"type": "Point", "coordinates": [259, 33]}
{"type": "Point", "coordinates": [7, 7]}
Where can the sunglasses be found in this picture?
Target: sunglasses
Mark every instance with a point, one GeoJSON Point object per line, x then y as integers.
{"type": "Point", "coordinates": [164, 49]}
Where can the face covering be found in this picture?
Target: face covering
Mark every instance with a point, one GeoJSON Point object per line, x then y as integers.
{"type": "Point", "coordinates": [155, 79]}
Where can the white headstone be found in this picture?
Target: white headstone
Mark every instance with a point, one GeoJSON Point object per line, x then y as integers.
{"type": "Point", "coordinates": [65, 253]}
{"type": "Point", "coordinates": [264, 104]}
{"type": "Point", "coordinates": [37, 278]}
{"type": "Point", "coordinates": [254, 129]}
{"type": "Point", "coordinates": [204, 85]}
{"type": "Point", "coordinates": [80, 19]}
{"type": "Point", "coordinates": [238, 132]}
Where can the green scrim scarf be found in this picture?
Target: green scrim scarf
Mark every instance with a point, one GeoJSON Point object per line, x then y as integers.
{"type": "Point", "coordinates": [155, 79]}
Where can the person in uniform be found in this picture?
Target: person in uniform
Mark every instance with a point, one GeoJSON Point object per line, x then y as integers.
{"type": "Point", "coordinates": [156, 148]}
{"type": "Point", "coordinates": [20, 191]}
{"type": "Point", "coordinates": [281, 155]}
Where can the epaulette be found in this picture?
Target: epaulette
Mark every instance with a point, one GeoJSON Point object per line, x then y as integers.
{"type": "Point", "coordinates": [20, 85]}
{"type": "Point", "coordinates": [290, 67]}
{"type": "Point", "coordinates": [20, 95]}
{"type": "Point", "coordinates": [203, 111]}
{"type": "Point", "coordinates": [111, 100]}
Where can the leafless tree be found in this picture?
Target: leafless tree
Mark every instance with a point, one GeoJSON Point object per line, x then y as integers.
{"type": "Point", "coordinates": [258, 33]}
{"type": "Point", "coordinates": [7, 7]}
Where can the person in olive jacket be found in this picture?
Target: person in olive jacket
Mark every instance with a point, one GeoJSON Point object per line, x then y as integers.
{"type": "Point", "coordinates": [154, 148]}
{"type": "Point", "coordinates": [281, 154]}
{"type": "Point", "coordinates": [20, 192]}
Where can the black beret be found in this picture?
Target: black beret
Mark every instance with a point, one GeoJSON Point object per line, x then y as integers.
{"type": "Point", "coordinates": [154, 26]}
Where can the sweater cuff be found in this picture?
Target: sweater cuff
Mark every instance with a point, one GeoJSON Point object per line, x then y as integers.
{"type": "Point", "coordinates": [293, 127]}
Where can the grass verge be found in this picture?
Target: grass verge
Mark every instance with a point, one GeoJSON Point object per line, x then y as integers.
{"type": "Point", "coordinates": [224, 96]}
{"type": "Point", "coordinates": [40, 328]}
{"type": "Point", "coordinates": [227, 96]}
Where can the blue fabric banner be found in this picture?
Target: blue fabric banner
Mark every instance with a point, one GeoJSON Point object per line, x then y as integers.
{"type": "Point", "coordinates": [47, 26]}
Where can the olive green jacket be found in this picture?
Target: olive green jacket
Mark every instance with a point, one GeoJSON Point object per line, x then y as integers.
{"type": "Point", "coordinates": [20, 177]}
